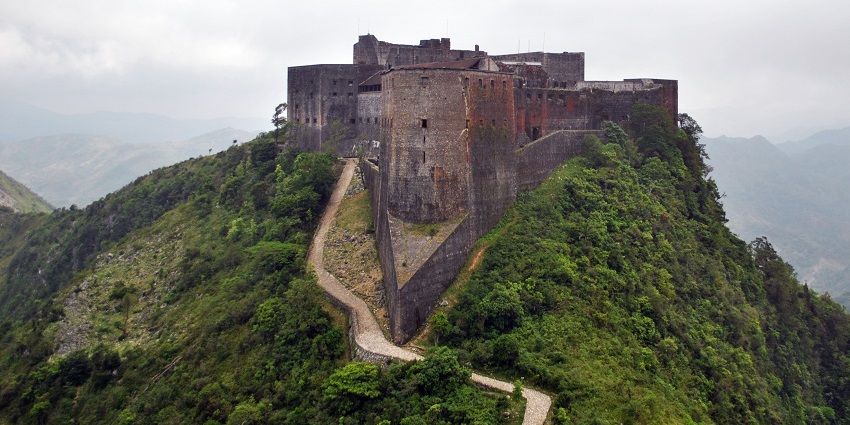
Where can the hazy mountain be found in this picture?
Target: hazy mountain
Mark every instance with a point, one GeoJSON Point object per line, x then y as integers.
{"type": "Point", "coordinates": [796, 195]}
{"type": "Point", "coordinates": [20, 198]}
{"type": "Point", "coordinates": [20, 121]}
{"type": "Point", "coordinates": [78, 169]}
{"type": "Point", "coordinates": [840, 137]}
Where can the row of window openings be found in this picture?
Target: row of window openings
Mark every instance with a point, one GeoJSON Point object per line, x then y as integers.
{"type": "Point", "coordinates": [549, 96]}
{"type": "Point", "coordinates": [480, 83]}
{"type": "Point", "coordinates": [350, 120]}
{"type": "Point", "coordinates": [424, 123]}
{"type": "Point", "coordinates": [350, 82]}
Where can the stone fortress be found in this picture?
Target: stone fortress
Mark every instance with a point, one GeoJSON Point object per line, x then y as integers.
{"type": "Point", "coordinates": [451, 137]}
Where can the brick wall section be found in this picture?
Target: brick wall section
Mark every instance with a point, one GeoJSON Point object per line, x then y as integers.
{"type": "Point", "coordinates": [542, 111]}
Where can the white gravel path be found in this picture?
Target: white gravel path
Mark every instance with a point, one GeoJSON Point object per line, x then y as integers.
{"type": "Point", "coordinates": [367, 334]}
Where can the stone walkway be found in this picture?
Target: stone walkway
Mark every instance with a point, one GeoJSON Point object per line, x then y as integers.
{"type": "Point", "coordinates": [369, 341]}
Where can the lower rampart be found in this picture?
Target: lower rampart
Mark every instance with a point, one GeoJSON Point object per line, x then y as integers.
{"type": "Point", "coordinates": [536, 160]}
{"type": "Point", "coordinates": [410, 304]}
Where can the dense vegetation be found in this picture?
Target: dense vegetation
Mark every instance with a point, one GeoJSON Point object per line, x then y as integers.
{"type": "Point", "coordinates": [617, 287]}
{"type": "Point", "coordinates": [185, 298]}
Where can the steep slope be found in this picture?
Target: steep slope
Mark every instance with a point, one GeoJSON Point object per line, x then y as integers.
{"type": "Point", "coordinates": [617, 287]}
{"type": "Point", "coordinates": [19, 198]}
{"type": "Point", "coordinates": [185, 298]}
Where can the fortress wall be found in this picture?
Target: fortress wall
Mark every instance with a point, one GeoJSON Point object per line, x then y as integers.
{"type": "Point", "coordinates": [564, 68]}
{"type": "Point", "coordinates": [668, 96]}
{"type": "Point", "coordinates": [368, 115]}
{"type": "Point", "coordinates": [492, 136]}
{"type": "Point", "coordinates": [492, 177]}
{"type": "Point", "coordinates": [536, 160]}
{"type": "Point", "coordinates": [318, 95]}
{"type": "Point", "coordinates": [418, 297]}
{"type": "Point", "coordinates": [369, 50]}
{"type": "Point", "coordinates": [427, 160]}
{"type": "Point", "coordinates": [374, 181]}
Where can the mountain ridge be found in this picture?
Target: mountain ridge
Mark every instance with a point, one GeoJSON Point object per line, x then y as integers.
{"type": "Point", "coordinates": [77, 169]}
{"type": "Point", "coordinates": [21, 121]}
{"type": "Point", "coordinates": [20, 198]}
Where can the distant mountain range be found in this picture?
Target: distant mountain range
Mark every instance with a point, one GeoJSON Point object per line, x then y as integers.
{"type": "Point", "coordinates": [74, 169]}
{"type": "Point", "coordinates": [78, 158]}
{"type": "Point", "coordinates": [20, 121]}
{"type": "Point", "coordinates": [796, 194]}
{"type": "Point", "coordinates": [20, 198]}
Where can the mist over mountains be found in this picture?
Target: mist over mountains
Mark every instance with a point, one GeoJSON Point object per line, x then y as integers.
{"type": "Point", "coordinates": [76, 169]}
{"type": "Point", "coordinates": [794, 193]}
{"type": "Point", "coordinates": [76, 159]}
{"type": "Point", "coordinates": [20, 121]}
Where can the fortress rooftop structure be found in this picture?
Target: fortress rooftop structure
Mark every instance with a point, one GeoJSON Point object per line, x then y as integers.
{"type": "Point", "coordinates": [453, 137]}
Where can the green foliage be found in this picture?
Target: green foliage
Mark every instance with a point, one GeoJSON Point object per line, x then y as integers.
{"type": "Point", "coordinates": [617, 287]}
{"type": "Point", "coordinates": [347, 387]}
{"type": "Point", "coordinates": [436, 390]}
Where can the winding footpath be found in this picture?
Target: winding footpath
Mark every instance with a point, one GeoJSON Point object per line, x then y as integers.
{"type": "Point", "coordinates": [368, 338]}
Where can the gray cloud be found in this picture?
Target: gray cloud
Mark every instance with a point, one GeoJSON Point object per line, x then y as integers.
{"type": "Point", "coordinates": [744, 68]}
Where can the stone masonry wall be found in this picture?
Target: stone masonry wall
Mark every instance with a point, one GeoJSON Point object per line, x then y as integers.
{"type": "Point", "coordinates": [535, 161]}
{"type": "Point", "coordinates": [489, 133]}
{"type": "Point", "coordinates": [369, 50]}
{"type": "Point", "coordinates": [427, 161]}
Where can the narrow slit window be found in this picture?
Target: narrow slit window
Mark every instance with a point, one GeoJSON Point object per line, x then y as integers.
{"type": "Point", "coordinates": [424, 123]}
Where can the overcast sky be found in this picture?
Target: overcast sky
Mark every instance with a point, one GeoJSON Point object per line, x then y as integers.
{"type": "Point", "coordinates": [745, 67]}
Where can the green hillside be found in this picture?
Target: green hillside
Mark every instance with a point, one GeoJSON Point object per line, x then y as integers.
{"type": "Point", "coordinates": [184, 298]}
{"type": "Point", "coordinates": [19, 198]}
{"type": "Point", "coordinates": [617, 287]}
